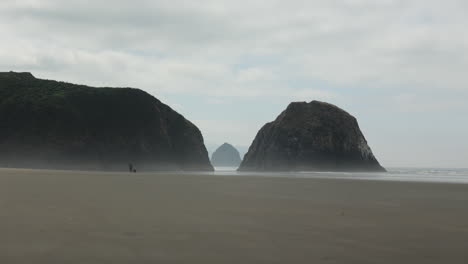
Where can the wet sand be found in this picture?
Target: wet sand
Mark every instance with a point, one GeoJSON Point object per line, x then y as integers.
{"type": "Point", "coordinates": [90, 217]}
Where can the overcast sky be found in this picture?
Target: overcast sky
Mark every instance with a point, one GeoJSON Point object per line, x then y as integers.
{"type": "Point", "coordinates": [400, 67]}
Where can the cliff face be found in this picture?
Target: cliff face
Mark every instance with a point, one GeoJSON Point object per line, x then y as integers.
{"type": "Point", "coordinates": [49, 124]}
{"type": "Point", "coordinates": [226, 156]}
{"type": "Point", "coordinates": [311, 136]}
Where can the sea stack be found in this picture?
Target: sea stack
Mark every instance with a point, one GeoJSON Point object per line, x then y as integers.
{"type": "Point", "coordinates": [226, 156]}
{"type": "Point", "coordinates": [315, 136]}
{"type": "Point", "coordinates": [56, 125]}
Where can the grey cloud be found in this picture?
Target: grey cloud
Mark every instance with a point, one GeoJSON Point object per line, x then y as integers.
{"type": "Point", "coordinates": [343, 42]}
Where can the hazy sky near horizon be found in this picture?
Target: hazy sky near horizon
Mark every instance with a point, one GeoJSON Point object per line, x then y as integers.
{"type": "Point", "coordinates": [399, 66]}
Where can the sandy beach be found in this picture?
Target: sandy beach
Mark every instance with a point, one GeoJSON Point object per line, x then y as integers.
{"type": "Point", "coordinates": [58, 217]}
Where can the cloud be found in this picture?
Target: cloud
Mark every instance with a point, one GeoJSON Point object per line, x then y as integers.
{"type": "Point", "coordinates": [415, 43]}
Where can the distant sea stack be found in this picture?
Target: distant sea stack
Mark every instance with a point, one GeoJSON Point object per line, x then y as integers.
{"type": "Point", "coordinates": [226, 156]}
{"type": "Point", "coordinates": [56, 125]}
{"type": "Point", "coordinates": [313, 136]}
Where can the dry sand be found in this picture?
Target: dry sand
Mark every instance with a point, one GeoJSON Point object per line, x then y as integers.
{"type": "Point", "coordinates": [89, 217]}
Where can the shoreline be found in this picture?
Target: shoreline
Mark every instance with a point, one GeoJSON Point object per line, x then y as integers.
{"type": "Point", "coordinates": [392, 175]}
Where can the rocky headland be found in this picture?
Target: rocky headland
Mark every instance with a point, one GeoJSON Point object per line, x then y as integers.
{"type": "Point", "coordinates": [315, 136]}
{"type": "Point", "coordinates": [58, 125]}
{"type": "Point", "coordinates": [226, 156]}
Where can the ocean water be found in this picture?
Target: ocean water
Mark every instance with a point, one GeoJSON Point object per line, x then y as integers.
{"type": "Point", "coordinates": [447, 175]}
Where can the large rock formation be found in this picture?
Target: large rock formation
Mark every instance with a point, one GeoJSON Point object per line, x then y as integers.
{"type": "Point", "coordinates": [313, 136]}
{"type": "Point", "coordinates": [49, 124]}
{"type": "Point", "coordinates": [226, 156]}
